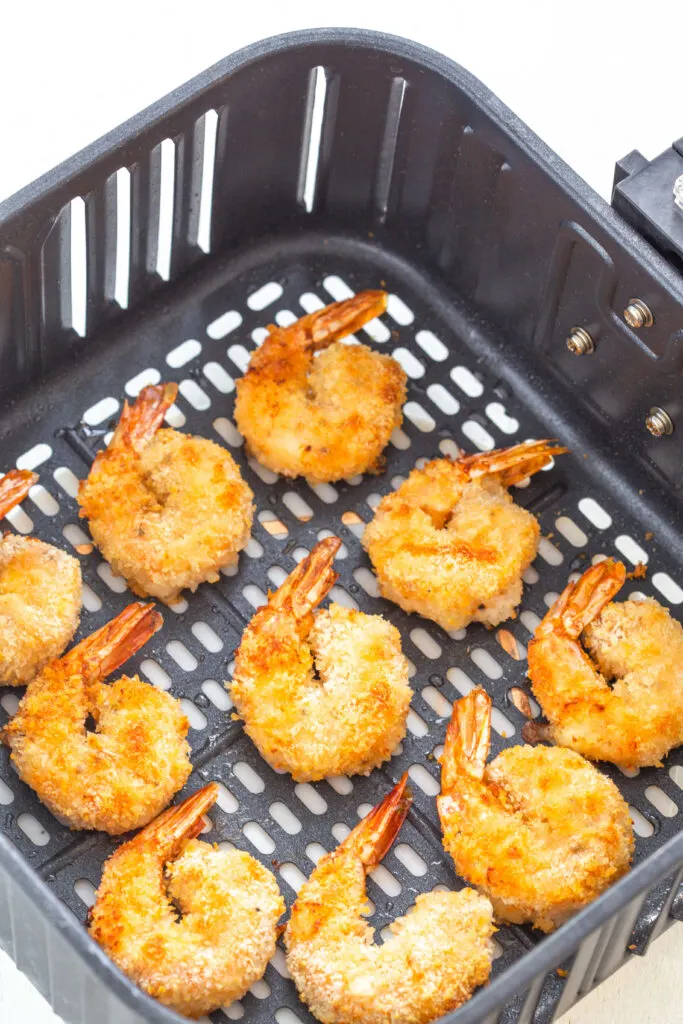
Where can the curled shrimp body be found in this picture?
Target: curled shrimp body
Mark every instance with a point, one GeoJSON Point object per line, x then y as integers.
{"type": "Point", "coordinates": [230, 905]}
{"type": "Point", "coordinates": [437, 955]}
{"type": "Point", "coordinates": [40, 594]}
{"type": "Point", "coordinates": [123, 773]}
{"type": "Point", "coordinates": [539, 830]}
{"type": "Point", "coordinates": [451, 544]}
{"type": "Point", "coordinates": [328, 417]}
{"type": "Point", "coordinates": [622, 701]}
{"type": "Point", "coordinates": [320, 695]}
{"type": "Point", "coordinates": [166, 509]}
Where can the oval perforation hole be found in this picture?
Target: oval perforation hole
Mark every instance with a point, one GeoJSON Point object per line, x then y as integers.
{"type": "Point", "coordinates": [399, 439]}
{"type": "Point", "coordinates": [32, 828]}
{"type": "Point", "coordinates": [195, 717]}
{"type": "Point", "coordinates": [226, 429]}
{"type": "Point", "coordinates": [100, 411]}
{"type": "Point", "coordinates": [219, 377]}
{"type": "Point", "coordinates": [343, 551]}
{"type": "Point", "coordinates": [91, 601]}
{"type": "Point", "coordinates": [422, 778]}
{"type": "Point", "coordinates": [432, 345]}
{"type": "Point", "coordinates": [262, 473]}
{"type": "Point", "coordinates": [240, 357]}
{"type": "Point", "coordinates": [292, 875]}
{"type": "Point", "coordinates": [549, 553]}
{"type": "Point", "coordinates": [279, 962]}
{"type": "Point", "coordinates": [467, 382]}
{"type": "Point", "coordinates": [310, 798]}
{"type": "Point", "coordinates": [285, 818]}
{"type": "Point", "coordinates": [195, 395]}
{"type": "Point", "coordinates": [10, 702]}
{"type": "Point", "coordinates": [338, 289]}
{"type": "Point", "coordinates": [314, 852]}
{"type": "Point", "coordinates": [156, 674]}
{"type": "Point", "coordinates": [297, 506]}
{"type": "Point", "coordinates": [443, 399]}
{"type": "Point", "coordinates": [663, 803]}
{"type": "Point", "coordinates": [573, 533]}
{"type": "Point", "coordinates": [399, 311]}
{"type": "Point", "coordinates": [274, 526]}
{"type": "Point", "coordinates": [341, 596]}
{"type": "Point", "coordinates": [67, 480]}
{"type": "Point", "coordinates": [450, 449]}
{"type": "Point", "coordinates": [310, 302]}
{"type": "Point", "coordinates": [411, 860]}
{"type": "Point", "coordinates": [264, 296]}
{"type": "Point", "coordinates": [410, 363]}
{"type": "Point", "coordinates": [667, 587]}
{"type": "Point", "coordinates": [142, 380]}
{"type": "Point", "coordinates": [35, 456]}
{"type": "Point", "coordinates": [461, 681]}
{"type": "Point", "coordinates": [436, 701]}
{"type": "Point", "coordinates": [85, 891]}
{"type": "Point", "coordinates": [641, 826]}
{"type": "Point", "coordinates": [254, 595]}
{"type": "Point", "coordinates": [285, 318]}
{"type": "Point", "coordinates": [340, 784]}
{"type": "Point", "coordinates": [498, 415]}
{"type": "Point", "coordinates": [250, 779]}
{"type": "Point", "coordinates": [258, 837]}
{"type": "Point", "coordinates": [224, 324]}
{"type": "Point", "coordinates": [6, 794]}
{"type": "Point", "coordinates": [175, 417]}
{"type": "Point", "coordinates": [387, 882]}
{"type": "Point", "coordinates": [595, 513]}
{"type": "Point", "coordinates": [478, 435]}
{"type": "Point", "coordinates": [77, 537]}
{"type": "Point", "coordinates": [367, 580]}
{"type": "Point", "coordinates": [225, 799]}
{"type": "Point", "coordinates": [259, 335]}
{"type": "Point", "coordinates": [261, 989]}
{"type": "Point", "coordinates": [326, 492]}
{"type": "Point", "coordinates": [217, 694]}
{"type": "Point", "coordinates": [486, 662]}
{"type": "Point", "coordinates": [630, 549]}
{"type": "Point", "coordinates": [43, 500]}
{"type": "Point", "coordinates": [182, 657]}
{"type": "Point", "coordinates": [19, 519]}
{"type": "Point", "coordinates": [108, 576]}
{"type": "Point", "coordinates": [254, 548]}
{"type": "Point", "coordinates": [235, 1011]}
{"type": "Point", "coordinates": [425, 643]}
{"type": "Point", "coordinates": [277, 575]}
{"type": "Point", "coordinates": [416, 725]}
{"type": "Point", "coordinates": [183, 353]}
{"type": "Point", "coordinates": [419, 417]}
{"type": "Point", "coordinates": [378, 331]}
{"type": "Point", "coordinates": [207, 636]}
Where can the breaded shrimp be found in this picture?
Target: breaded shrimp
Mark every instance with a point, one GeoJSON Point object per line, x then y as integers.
{"type": "Point", "coordinates": [126, 771]}
{"type": "Point", "coordinates": [625, 704]}
{"type": "Point", "coordinates": [40, 594]}
{"type": "Point", "coordinates": [451, 544]}
{"type": "Point", "coordinates": [539, 830]}
{"type": "Point", "coordinates": [320, 695]}
{"type": "Point", "coordinates": [435, 958]}
{"type": "Point", "coordinates": [221, 941]}
{"type": "Point", "coordinates": [324, 418]}
{"type": "Point", "coordinates": [167, 510]}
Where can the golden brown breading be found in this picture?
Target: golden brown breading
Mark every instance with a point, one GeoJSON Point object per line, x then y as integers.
{"type": "Point", "coordinates": [166, 509]}
{"type": "Point", "coordinates": [540, 831]}
{"type": "Point", "coordinates": [328, 417]}
{"type": "Point", "coordinates": [451, 544]}
{"type": "Point", "coordinates": [320, 696]}
{"type": "Point", "coordinates": [636, 721]}
{"type": "Point", "coordinates": [230, 906]}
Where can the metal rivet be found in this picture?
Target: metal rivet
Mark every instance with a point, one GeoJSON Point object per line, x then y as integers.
{"type": "Point", "coordinates": [658, 422]}
{"type": "Point", "coordinates": [678, 191]}
{"type": "Point", "coordinates": [637, 314]}
{"type": "Point", "coordinates": [579, 342]}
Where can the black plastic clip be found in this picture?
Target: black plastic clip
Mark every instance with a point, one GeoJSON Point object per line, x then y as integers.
{"type": "Point", "coordinates": [643, 193]}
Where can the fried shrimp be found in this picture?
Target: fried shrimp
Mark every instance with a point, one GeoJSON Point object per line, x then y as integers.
{"type": "Point", "coordinates": [123, 773]}
{"type": "Point", "coordinates": [624, 702]}
{"type": "Point", "coordinates": [229, 902]}
{"type": "Point", "coordinates": [320, 695]}
{"type": "Point", "coordinates": [451, 543]}
{"type": "Point", "coordinates": [40, 594]}
{"type": "Point", "coordinates": [323, 418]}
{"type": "Point", "coordinates": [167, 510]}
{"type": "Point", "coordinates": [539, 830]}
{"type": "Point", "coordinates": [435, 958]}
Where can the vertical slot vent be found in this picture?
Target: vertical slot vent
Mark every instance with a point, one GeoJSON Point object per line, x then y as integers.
{"type": "Point", "coordinates": [78, 267]}
{"type": "Point", "coordinates": [206, 193]}
{"type": "Point", "coordinates": [312, 137]}
{"type": "Point", "coordinates": [122, 271]}
{"type": "Point", "coordinates": [387, 154]}
{"type": "Point", "coordinates": [167, 185]}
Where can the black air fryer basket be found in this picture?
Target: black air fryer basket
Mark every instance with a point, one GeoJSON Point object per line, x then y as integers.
{"type": "Point", "coordinates": [320, 164]}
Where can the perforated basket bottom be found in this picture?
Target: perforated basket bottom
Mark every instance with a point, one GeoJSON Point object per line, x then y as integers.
{"type": "Point", "coordinates": [202, 340]}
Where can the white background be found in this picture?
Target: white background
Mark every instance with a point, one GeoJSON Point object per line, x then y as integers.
{"type": "Point", "coordinates": [593, 79]}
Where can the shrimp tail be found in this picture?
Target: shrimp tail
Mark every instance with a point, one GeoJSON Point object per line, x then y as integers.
{"type": "Point", "coordinates": [468, 738]}
{"type": "Point", "coordinates": [139, 422]}
{"type": "Point", "coordinates": [511, 465]}
{"type": "Point", "coordinates": [14, 487]}
{"type": "Point", "coordinates": [177, 825]}
{"type": "Point", "coordinates": [308, 584]}
{"type": "Point", "coordinates": [117, 641]}
{"type": "Point", "coordinates": [582, 601]}
{"type": "Point", "coordinates": [338, 320]}
{"type": "Point", "coordinates": [371, 839]}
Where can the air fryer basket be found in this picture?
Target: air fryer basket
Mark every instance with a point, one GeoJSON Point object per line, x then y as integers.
{"type": "Point", "coordinates": [343, 160]}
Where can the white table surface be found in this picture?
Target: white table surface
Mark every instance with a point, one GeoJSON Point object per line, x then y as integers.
{"type": "Point", "coordinates": [593, 79]}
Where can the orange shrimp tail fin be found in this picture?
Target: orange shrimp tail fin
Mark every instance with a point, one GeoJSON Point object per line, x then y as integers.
{"type": "Point", "coordinates": [177, 825]}
{"type": "Point", "coordinates": [117, 641]}
{"type": "Point", "coordinates": [332, 323]}
{"type": "Point", "coordinates": [468, 738]}
{"type": "Point", "coordinates": [140, 421]}
{"type": "Point", "coordinates": [311, 581]}
{"type": "Point", "coordinates": [581, 602]}
{"type": "Point", "coordinates": [371, 839]}
{"type": "Point", "coordinates": [511, 465]}
{"type": "Point", "coordinates": [14, 487]}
